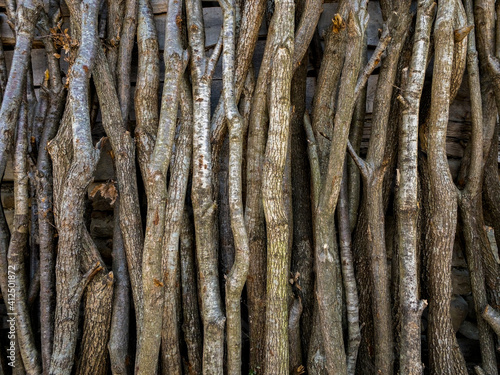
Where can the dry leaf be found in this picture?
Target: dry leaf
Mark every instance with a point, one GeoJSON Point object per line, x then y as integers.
{"type": "Point", "coordinates": [107, 191]}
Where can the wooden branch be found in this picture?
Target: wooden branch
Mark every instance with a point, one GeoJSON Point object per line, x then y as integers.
{"type": "Point", "coordinates": [119, 332]}
{"type": "Point", "coordinates": [384, 41]}
{"type": "Point", "coordinates": [156, 178]}
{"type": "Point", "coordinates": [326, 257]}
{"type": "Point", "coordinates": [492, 316]}
{"type": "Point", "coordinates": [18, 246]}
{"type": "Point", "coordinates": [190, 312]}
{"type": "Point", "coordinates": [360, 163]}
{"type": "Point", "coordinates": [349, 280]}
{"type": "Point", "coordinates": [276, 354]}
{"type": "Point", "coordinates": [125, 56]}
{"type": "Point", "coordinates": [179, 176]}
{"type": "Point", "coordinates": [411, 306]}
{"type": "Point", "coordinates": [204, 205]}
{"type": "Point", "coordinates": [70, 221]}
{"type": "Point", "coordinates": [312, 150]}
{"type": "Point", "coordinates": [236, 278]}
{"type": "Point", "coordinates": [442, 199]}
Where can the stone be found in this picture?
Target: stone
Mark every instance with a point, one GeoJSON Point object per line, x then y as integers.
{"type": "Point", "coordinates": [469, 348]}
{"type": "Point", "coordinates": [472, 310]}
{"type": "Point", "coordinates": [458, 311]}
{"type": "Point", "coordinates": [458, 258]}
{"type": "Point", "coordinates": [460, 280]}
{"type": "Point", "coordinates": [101, 226]}
{"type": "Point", "coordinates": [105, 247]}
{"type": "Point", "coordinates": [469, 330]}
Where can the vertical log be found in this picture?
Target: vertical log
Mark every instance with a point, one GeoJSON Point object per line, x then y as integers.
{"type": "Point", "coordinates": [69, 283]}
{"type": "Point", "coordinates": [18, 248]}
{"type": "Point", "coordinates": [27, 17]}
{"type": "Point", "coordinates": [272, 193]}
{"type": "Point", "coordinates": [237, 276]}
{"type": "Point", "coordinates": [470, 205]}
{"type": "Point", "coordinates": [407, 197]}
{"type": "Point", "coordinates": [445, 357]}
{"type": "Point", "coordinates": [119, 332]}
{"type": "Point", "coordinates": [328, 278]}
{"type": "Point", "coordinates": [191, 319]}
{"type": "Point", "coordinates": [179, 176]}
{"type": "Point", "coordinates": [202, 193]}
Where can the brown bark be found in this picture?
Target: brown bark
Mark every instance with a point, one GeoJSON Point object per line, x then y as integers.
{"type": "Point", "coordinates": [119, 330]}
{"type": "Point", "coordinates": [302, 245]}
{"type": "Point", "coordinates": [17, 249]}
{"type": "Point", "coordinates": [12, 95]}
{"type": "Point", "coordinates": [238, 274]}
{"type": "Point", "coordinates": [124, 150]}
{"type": "Point", "coordinates": [411, 306]}
{"type": "Point", "coordinates": [156, 182]}
{"type": "Point", "coordinates": [445, 358]}
{"type": "Point", "coordinates": [171, 356]}
{"type": "Point", "coordinates": [46, 227]}
{"type": "Point", "coordinates": [470, 206]}
{"type": "Point", "coordinates": [69, 283]}
{"type": "Point", "coordinates": [493, 318]}
{"type": "Point", "coordinates": [328, 278]}
{"type": "Point", "coordinates": [276, 360]}
{"type": "Point", "coordinates": [373, 178]}
{"type": "Point", "coordinates": [93, 355]}
{"type": "Point", "coordinates": [328, 81]}
{"type": "Point", "coordinates": [191, 319]}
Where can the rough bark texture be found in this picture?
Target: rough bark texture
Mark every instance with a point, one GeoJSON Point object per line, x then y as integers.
{"type": "Point", "coordinates": [445, 357]}
{"type": "Point", "coordinates": [202, 193]}
{"type": "Point", "coordinates": [328, 278]}
{"type": "Point", "coordinates": [220, 194]}
{"type": "Point", "coordinates": [120, 326]}
{"type": "Point", "coordinates": [171, 356]}
{"type": "Point", "coordinates": [237, 276]}
{"type": "Point", "coordinates": [276, 360]}
{"type": "Point", "coordinates": [17, 248]}
{"type": "Point", "coordinates": [69, 283]}
{"type": "Point", "coordinates": [156, 181]}
{"type": "Point", "coordinates": [407, 199]}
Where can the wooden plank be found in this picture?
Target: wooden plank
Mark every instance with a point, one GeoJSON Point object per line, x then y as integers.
{"type": "Point", "coordinates": [38, 63]}
{"type": "Point", "coordinates": [7, 35]}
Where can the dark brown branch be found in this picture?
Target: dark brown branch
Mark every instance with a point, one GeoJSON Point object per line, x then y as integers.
{"type": "Point", "coordinates": [443, 357]}
{"type": "Point", "coordinates": [191, 319]}
{"type": "Point", "coordinates": [119, 332]}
